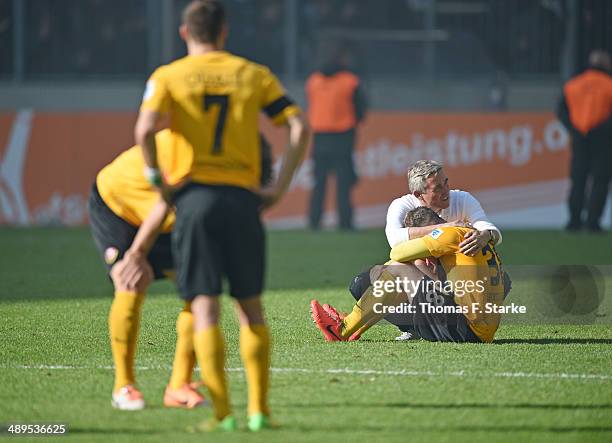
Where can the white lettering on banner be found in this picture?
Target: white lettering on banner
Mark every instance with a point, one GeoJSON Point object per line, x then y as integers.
{"type": "Point", "coordinates": [69, 210]}
{"type": "Point", "coordinates": [517, 146]}
{"type": "Point", "coordinates": [13, 204]}
{"type": "Point", "coordinates": [555, 136]}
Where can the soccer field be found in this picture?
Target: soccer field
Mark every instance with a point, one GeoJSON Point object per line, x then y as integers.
{"type": "Point", "coordinates": [536, 383]}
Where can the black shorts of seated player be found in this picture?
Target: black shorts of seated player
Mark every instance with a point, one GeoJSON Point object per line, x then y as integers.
{"type": "Point", "coordinates": [218, 233]}
{"type": "Point", "coordinates": [113, 236]}
{"type": "Point", "coordinates": [447, 327]}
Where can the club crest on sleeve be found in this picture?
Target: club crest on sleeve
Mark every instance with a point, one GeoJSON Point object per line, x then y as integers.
{"type": "Point", "coordinates": [436, 233]}
{"type": "Point", "coordinates": [110, 255]}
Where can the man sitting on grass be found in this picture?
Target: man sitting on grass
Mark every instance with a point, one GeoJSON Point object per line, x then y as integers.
{"type": "Point", "coordinates": [456, 303]}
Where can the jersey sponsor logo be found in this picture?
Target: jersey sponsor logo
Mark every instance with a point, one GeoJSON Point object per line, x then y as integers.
{"type": "Point", "coordinates": [110, 255]}
{"type": "Point", "coordinates": [149, 90]}
{"type": "Point", "coordinates": [436, 233]}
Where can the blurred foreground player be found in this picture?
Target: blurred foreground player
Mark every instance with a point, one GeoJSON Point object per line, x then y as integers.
{"type": "Point", "coordinates": [119, 204]}
{"type": "Point", "coordinates": [213, 100]}
{"type": "Point", "coordinates": [464, 319]}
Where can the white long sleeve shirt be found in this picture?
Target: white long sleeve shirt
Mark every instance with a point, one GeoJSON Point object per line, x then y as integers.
{"type": "Point", "coordinates": [462, 206]}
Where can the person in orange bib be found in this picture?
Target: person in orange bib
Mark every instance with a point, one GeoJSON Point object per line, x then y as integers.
{"type": "Point", "coordinates": [585, 110]}
{"type": "Point", "coordinates": [336, 106]}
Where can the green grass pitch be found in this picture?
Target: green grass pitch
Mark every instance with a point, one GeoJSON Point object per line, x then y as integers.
{"type": "Point", "coordinates": [539, 382]}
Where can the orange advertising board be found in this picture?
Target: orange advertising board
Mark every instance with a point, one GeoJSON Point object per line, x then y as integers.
{"type": "Point", "coordinates": [48, 161]}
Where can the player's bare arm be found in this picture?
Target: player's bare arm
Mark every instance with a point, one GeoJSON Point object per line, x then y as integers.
{"type": "Point", "coordinates": [144, 134]}
{"type": "Point", "coordinates": [299, 136]}
{"type": "Point", "coordinates": [150, 229]}
{"type": "Point", "coordinates": [134, 270]}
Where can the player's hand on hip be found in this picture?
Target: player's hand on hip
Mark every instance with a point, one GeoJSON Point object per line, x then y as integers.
{"type": "Point", "coordinates": [132, 273]}
{"type": "Point", "coordinates": [473, 242]}
{"type": "Point", "coordinates": [270, 195]}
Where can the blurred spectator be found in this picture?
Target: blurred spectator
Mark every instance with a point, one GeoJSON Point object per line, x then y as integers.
{"type": "Point", "coordinates": [43, 43]}
{"type": "Point", "coordinates": [586, 111]}
{"type": "Point", "coordinates": [86, 38]}
{"type": "Point", "coordinates": [336, 106]}
{"type": "Point", "coordinates": [6, 36]}
{"type": "Point", "coordinates": [243, 35]}
{"type": "Point", "coordinates": [269, 39]}
{"type": "Point", "coordinates": [498, 92]}
{"type": "Point", "coordinates": [70, 39]}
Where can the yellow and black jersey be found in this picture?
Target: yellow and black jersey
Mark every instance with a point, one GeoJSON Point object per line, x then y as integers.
{"type": "Point", "coordinates": [214, 101]}
{"type": "Point", "coordinates": [483, 271]}
{"type": "Point", "coordinates": [124, 188]}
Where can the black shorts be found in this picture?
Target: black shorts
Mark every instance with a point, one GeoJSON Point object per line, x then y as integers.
{"type": "Point", "coordinates": [218, 233]}
{"type": "Point", "coordinates": [440, 326]}
{"type": "Point", "coordinates": [113, 236]}
{"type": "Point", "coordinates": [435, 326]}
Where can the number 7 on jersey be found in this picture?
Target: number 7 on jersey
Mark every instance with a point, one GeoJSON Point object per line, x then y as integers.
{"type": "Point", "coordinates": [223, 102]}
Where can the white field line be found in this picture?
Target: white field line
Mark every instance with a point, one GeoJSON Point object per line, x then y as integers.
{"type": "Point", "coordinates": [348, 371]}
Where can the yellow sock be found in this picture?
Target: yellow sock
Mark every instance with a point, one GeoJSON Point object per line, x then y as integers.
{"type": "Point", "coordinates": [255, 354]}
{"type": "Point", "coordinates": [123, 327]}
{"type": "Point", "coordinates": [210, 350]}
{"type": "Point", "coordinates": [184, 356]}
{"type": "Point", "coordinates": [363, 317]}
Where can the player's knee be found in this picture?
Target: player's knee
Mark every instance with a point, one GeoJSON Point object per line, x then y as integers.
{"type": "Point", "coordinates": [250, 311]}
{"type": "Point", "coordinates": [403, 270]}
{"type": "Point", "coordinates": [118, 282]}
{"type": "Point", "coordinates": [360, 284]}
{"type": "Point", "coordinates": [145, 280]}
{"type": "Point", "coordinates": [206, 311]}
{"type": "Point", "coordinates": [139, 283]}
{"type": "Point", "coordinates": [419, 262]}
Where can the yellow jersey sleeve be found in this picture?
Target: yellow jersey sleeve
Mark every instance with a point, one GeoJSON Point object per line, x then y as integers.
{"type": "Point", "coordinates": [275, 102]}
{"type": "Point", "coordinates": [124, 188]}
{"type": "Point", "coordinates": [157, 95]}
{"type": "Point", "coordinates": [410, 250]}
{"type": "Point", "coordinates": [443, 241]}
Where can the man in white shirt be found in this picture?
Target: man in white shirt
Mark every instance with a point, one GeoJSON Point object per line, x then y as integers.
{"type": "Point", "coordinates": [428, 186]}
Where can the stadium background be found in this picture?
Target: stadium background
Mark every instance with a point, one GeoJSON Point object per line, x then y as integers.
{"type": "Point", "coordinates": [471, 83]}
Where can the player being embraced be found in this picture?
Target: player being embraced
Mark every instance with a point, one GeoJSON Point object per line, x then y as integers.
{"type": "Point", "coordinates": [120, 200]}
{"type": "Point", "coordinates": [428, 186]}
{"type": "Point", "coordinates": [464, 314]}
{"type": "Point", "coordinates": [213, 100]}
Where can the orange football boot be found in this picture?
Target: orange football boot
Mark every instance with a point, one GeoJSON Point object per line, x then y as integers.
{"type": "Point", "coordinates": [187, 397]}
{"type": "Point", "coordinates": [334, 313]}
{"type": "Point", "coordinates": [331, 327]}
{"type": "Point", "coordinates": [128, 398]}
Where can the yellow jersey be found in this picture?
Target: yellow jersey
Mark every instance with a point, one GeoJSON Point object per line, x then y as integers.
{"type": "Point", "coordinates": [477, 281]}
{"type": "Point", "coordinates": [214, 100]}
{"type": "Point", "coordinates": [124, 188]}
